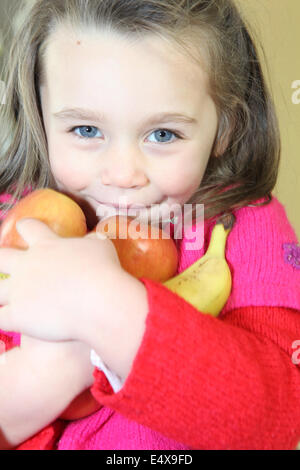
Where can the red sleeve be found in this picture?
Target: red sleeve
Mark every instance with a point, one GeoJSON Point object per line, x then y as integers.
{"type": "Point", "coordinates": [46, 439]}
{"type": "Point", "coordinates": [213, 383]}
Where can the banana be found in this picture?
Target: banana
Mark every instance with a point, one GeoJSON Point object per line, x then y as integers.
{"type": "Point", "coordinates": [206, 284]}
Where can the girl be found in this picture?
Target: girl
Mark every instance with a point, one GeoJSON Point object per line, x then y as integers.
{"type": "Point", "coordinates": [156, 102]}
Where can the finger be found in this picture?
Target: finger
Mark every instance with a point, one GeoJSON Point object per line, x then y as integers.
{"type": "Point", "coordinates": [4, 291]}
{"type": "Point", "coordinates": [6, 321]}
{"type": "Point", "coordinates": [8, 258]}
{"type": "Point", "coordinates": [34, 230]}
{"type": "Point", "coordinates": [96, 235]}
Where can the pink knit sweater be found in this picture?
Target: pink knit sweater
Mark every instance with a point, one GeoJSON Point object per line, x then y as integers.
{"type": "Point", "coordinates": [264, 257]}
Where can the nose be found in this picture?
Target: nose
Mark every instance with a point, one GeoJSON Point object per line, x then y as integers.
{"type": "Point", "coordinates": [123, 169]}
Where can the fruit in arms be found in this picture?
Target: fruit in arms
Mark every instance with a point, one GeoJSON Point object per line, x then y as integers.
{"type": "Point", "coordinates": [143, 250]}
{"type": "Point", "coordinates": [82, 405]}
{"type": "Point", "coordinates": [206, 284]}
{"type": "Point", "coordinates": [59, 212]}
{"type": "Point", "coordinates": [156, 259]}
{"type": "Point", "coordinates": [144, 253]}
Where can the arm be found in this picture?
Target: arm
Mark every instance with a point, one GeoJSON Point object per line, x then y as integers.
{"type": "Point", "coordinates": [212, 383]}
{"type": "Point", "coordinates": [38, 381]}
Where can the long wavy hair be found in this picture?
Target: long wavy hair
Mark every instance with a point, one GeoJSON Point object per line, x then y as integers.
{"type": "Point", "coordinates": [243, 165]}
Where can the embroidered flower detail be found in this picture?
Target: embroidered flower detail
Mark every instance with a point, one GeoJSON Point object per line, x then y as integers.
{"type": "Point", "coordinates": [292, 254]}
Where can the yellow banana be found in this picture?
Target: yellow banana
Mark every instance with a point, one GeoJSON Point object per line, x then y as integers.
{"type": "Point", "coordinates": [206, 284]}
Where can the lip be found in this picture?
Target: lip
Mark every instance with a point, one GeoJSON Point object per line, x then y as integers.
{"type": "Point", "coordinates": [126, 206]}
{"type": "Point", "coordinates": [123, 206]}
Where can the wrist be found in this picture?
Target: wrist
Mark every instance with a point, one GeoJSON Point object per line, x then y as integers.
{"type": "Point", "coordinates": [117, 333]}
{"type": "Point", "coordinates": [70, 357]}
{"type": "Point", "coordinates": [78, 355]}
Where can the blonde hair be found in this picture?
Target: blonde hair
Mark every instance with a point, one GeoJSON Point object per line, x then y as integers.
{"type": "Point", "coordinates": [244, 162]}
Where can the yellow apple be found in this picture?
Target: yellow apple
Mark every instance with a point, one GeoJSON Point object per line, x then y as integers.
{"type": "Point", "coordinates": [58, 211]}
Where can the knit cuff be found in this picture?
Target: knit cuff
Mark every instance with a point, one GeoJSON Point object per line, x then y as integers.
{"type": "Point", "coordinates": [115, 381]}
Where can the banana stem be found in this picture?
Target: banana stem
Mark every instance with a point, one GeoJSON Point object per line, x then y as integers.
{"type": "Point", "coordinates": [217, 241]}
{"type": "Point", "coordinates": [219, 235]}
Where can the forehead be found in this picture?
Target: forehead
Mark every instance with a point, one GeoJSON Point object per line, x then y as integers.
{"type": "Point", "coordinates": [109, 63]}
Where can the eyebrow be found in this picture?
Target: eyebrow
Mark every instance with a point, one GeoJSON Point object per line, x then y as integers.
{"type": "Point", "coordinates": [89, 115]}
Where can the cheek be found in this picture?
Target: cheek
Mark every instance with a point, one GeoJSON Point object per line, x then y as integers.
{"type": "Point", "coordinates": [183, 178]}
{"type": "Point", "coordinates": [68, 166]}
{"type": "Point", "coordinates": [67, 173]}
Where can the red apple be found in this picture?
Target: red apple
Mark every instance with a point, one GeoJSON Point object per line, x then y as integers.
{"type": "Point", "coordinates": [143, 250]}
{"type": "Point", "coordinates": [83, 405]}
{"type": "Point", "coordinates": [58, 211]}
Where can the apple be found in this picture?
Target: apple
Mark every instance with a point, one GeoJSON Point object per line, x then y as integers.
{"type": "Point", "coordinates": [83, 405]}
{"type": "Point", "coordinates": [58, 211]}
{"type": "Point", "coordinates": [143, 250]}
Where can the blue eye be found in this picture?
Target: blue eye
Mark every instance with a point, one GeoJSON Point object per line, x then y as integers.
{"type": "Point", "coordinates": [90, 132]}
{"type": "Point", "coordinates": [85, 132]}
{"type": "Point", "coordinates": [161, 134]}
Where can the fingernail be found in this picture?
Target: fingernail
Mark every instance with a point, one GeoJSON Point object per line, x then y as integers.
{"type": "Point", "coordinates": [101, 235]}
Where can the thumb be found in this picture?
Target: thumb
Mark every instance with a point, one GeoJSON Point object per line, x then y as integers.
{"type": "Point", "coordinates": [96, 235]}
{"type": "Point", "coordinates": [6, 320]}
{"type": "Point", "coordinates": [34, 230]}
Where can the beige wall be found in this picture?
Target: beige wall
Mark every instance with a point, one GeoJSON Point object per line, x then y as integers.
{"type": "Point", "coordinates": [277, 25]}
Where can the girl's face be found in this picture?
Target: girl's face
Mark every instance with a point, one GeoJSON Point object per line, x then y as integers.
{"type": "Point", "coordinates": [126, 123]}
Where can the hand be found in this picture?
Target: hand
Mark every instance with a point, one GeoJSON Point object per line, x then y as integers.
{"type": "Point", "coordinates": [58, 286]}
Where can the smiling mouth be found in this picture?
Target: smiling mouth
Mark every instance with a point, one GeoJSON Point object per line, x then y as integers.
{"type": "Point", "coordinates": [127, 206]}
{"type": "Point", "coordinates": [106, 210]}
{"type": "Point", "coordinates": [124, 206]}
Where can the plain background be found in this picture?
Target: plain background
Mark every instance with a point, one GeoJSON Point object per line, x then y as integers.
{"type": "Point", "coordinates": [275, 24]}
